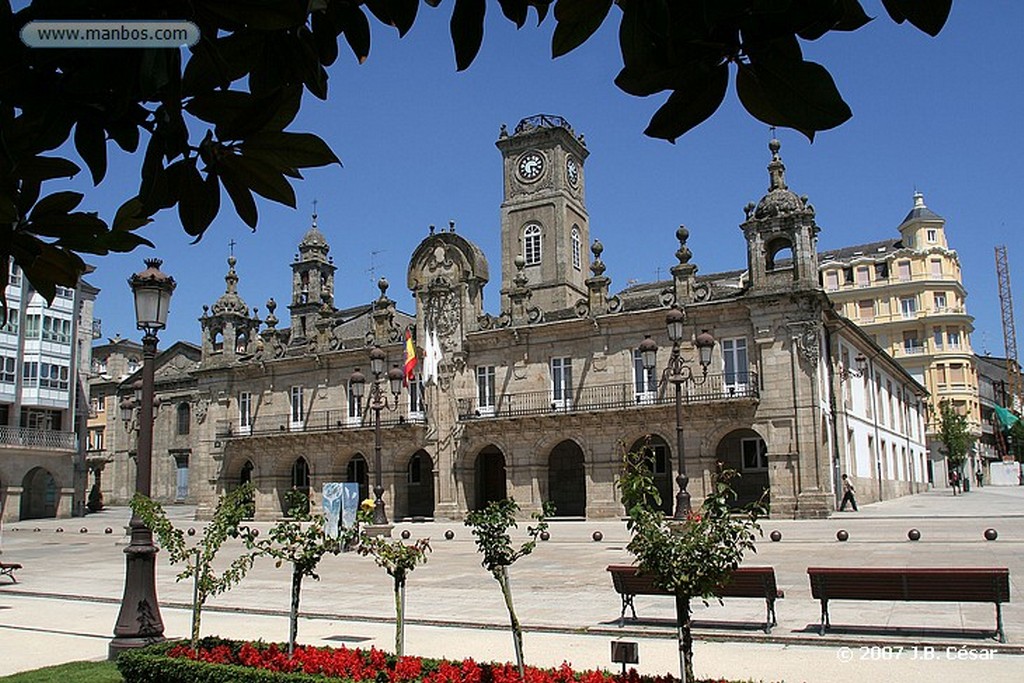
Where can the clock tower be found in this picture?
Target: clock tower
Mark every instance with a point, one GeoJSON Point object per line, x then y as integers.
{"type": "Point", "coordinates": [543, 214]}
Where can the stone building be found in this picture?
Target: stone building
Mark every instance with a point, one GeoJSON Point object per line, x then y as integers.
{"type": "Point", "coordinates": [44, 358]}
{"type": "Point", "coordinates": [907, 292]}
{"type": "Point", "coordinates": [540, 400]}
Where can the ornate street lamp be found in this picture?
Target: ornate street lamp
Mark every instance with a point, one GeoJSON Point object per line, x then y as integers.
{"type": "Point", "coordinates": [678, 373]}
{"type": "Point", "coordinates": [139, 622]}
{"type": "Point", "coordinates": [378, 401]}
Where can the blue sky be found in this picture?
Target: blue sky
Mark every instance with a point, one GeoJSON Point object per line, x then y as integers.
{"type": "Point", "coordinates": [416, 138]}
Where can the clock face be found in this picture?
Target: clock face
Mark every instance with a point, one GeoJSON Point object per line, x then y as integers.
{"type": "Point", "coordinates": [572, 171]}
{"type": "Point", "coordinates": [530, 166]}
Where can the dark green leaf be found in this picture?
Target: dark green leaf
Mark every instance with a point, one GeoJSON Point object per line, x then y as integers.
{"type": "Point", "coordinates": [798, 95]}
{"type": "Point", "coordinates": [325, 35]}
{"type": "Point", "coordinates": [692, 103]}
{"type": "Point", "coordinates": [240, 196]}
{"type": "Point", "coordinates": [123, 241]}
{"type": "Point", "coordinates": [57, 203]}
{"type": "Point", "coordinates": [577, 21]}
{"type": "Point", "coordinates": [46, 168]}
{"type": "Point", "coordinates": [130, 216]}
{"type": "Point", "coordinates": [403, 14]}
{"type": "Point", "coordinates": [262, 178]}
{"type": "Point", "coordinates": [72, 226]}
{"type": "Point", "coordinates": [289, 150]}
{"type": "Point", "coordinates": [357, 31]}
{"type": "Point", "coordinates": [854, 16]}
{"type": "Point", "coordinates": [125, 134]}
{"type": "Point", "coordinates": [467, 30]}
{"type": "Point", "coordinates": [53, 266]}
{"type": "Point", "coordinates": [515, 11]}
{"type": "Point", "coordinates": [264, 15]}
{"type": "Point", "coordinates": [199, 201]}
{"type": "Point", "coordinates": [91, 145]}
{"type": "Point", "coordinates": [8, 210]}
{"type": "Point", "coordinates": [928, 15]}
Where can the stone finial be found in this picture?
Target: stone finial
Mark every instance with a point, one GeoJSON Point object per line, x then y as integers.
{"type": "Point", "coordinates": [683, 253]}
{"type": "Point", "coordinates": [271, 318]}
{"type": "Point", "coordinates": [597, 267]}
{"type": "Point", "coordinates": [382, 285]}
{"type": "Point", "coordinates": [451, 226]}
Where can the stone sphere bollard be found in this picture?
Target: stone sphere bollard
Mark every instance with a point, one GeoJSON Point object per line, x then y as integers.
{"type": "Point", "coordinates": [191, 531]}
{"type": "Point", "coordinates": [108, 530]}
{"type": "Point", "coordinates": [991, 534]}
{"type": "Point", "coordinates": [449, 535]}
{"type": "Point", "coordinates": [914, 535]}
{"type": "Point", "coordinates": [544, 536]}
{"type": "Point", "coordinates": [776, 536]}
{"type": "Point", "coordinates": [842, 535]}
{"type": "Point", "coordinates": [60, 530]}
{"type": "Point", "coordinates": [405, 534]}
{"type": "Point", "coordinates": [597, 536]}
{"type": "Point", "coordinates": [83, 530]}
{"type": "Point", "coordinates": [37, 529]}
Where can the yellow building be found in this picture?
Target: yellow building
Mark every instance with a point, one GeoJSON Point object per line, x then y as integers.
{"type": "Point", "coordinates": [908, 294]}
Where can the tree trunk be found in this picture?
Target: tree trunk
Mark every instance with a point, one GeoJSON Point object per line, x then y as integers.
{"type": "Point", "coordinates": [293, 615]}
{"type": "Point", "coordinates": [684, 636]}
{"type": "Point", "coordinates": [399, 616]}
{"type": "Point", "coordinates": [197, 606]}
{"type": "Point", "coordinates": [517, 631]}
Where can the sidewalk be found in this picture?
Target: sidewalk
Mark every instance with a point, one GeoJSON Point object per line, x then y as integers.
{"type": "Point", "coordinates": [563, 597]}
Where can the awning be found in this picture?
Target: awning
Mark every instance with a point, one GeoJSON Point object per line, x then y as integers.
{"type": "Point", "coordinates": [1005, 417]}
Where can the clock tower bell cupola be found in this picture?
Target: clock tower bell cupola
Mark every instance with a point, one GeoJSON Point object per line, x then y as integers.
{"type": "Point", "coordinates": [543, 212]}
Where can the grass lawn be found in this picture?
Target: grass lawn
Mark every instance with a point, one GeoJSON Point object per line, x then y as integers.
{"type": "Point", "coordinates": [75, 672]}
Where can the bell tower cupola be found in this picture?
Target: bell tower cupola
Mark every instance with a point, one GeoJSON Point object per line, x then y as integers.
{"type": "Point", "coordinates": [312, 283]}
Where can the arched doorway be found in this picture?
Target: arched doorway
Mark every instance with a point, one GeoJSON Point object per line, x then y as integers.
{"type": "Point", "coordinates": [245, 477]}
{"type": "Point", "coordinates": [298, 493]}
{"type": "Point", "coordinates": [358, 473]}
{"type": "Point", "coordinates": [38, 494]}
{"type": "Point", "coordinates": [489, 471]}
{"type": "Point", "coordinates": [744, 451]}
{"type": "Point", "coordinates": [567, 480]}
{"type": "Point", "coordinates": [420, 485]}
{"type": "Point", "coordinates": [661, 469]}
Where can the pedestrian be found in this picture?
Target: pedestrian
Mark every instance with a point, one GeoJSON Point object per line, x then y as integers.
{"type": "Point", "coordinates": [954, 481]}
{"type": "Point", "coordinates": [848, 494]}
{"type": "Point", "coordinates": [979, 476]}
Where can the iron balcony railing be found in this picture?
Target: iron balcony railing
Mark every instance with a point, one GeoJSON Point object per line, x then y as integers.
{"type": "Point", "coordinates": [315, 421]}
{"type": "Point", "coordinates": [37, 438]}
{"type": "Point", "coordinates": [611, 397]}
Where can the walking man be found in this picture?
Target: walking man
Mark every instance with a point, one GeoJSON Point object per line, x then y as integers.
{"type": "Point", "coordinates": [848, 494]}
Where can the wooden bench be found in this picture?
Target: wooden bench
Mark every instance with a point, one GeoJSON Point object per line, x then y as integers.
{"type": "Point", "coordinates": [8, 569]}
{"type": "Point", "coordinates": [745, 582]}
{"type": "Point", "coordinates": [961, 584]}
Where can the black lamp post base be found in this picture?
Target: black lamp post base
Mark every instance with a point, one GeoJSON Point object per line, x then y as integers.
{"type": "Point", "coordinates": [119, 645]}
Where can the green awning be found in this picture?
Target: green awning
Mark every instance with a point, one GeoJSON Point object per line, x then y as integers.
{"type": "Point", "coordinates": [1006, 418]}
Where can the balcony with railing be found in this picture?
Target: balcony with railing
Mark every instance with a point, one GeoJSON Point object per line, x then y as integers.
{"type": "Point", "coordinates": [20, 437]}
{"type": "Point", "coordinates": [315, 421]}
{"type": "Point", "coordinates": [607, 397]}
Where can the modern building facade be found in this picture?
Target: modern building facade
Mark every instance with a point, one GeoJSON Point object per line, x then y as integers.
{"type": "Point", "coordinates": [541, 400]}
{"type": "Point", "coordinates": [907, 293]}
{"type": "Point", "coordinates": [43, 399]}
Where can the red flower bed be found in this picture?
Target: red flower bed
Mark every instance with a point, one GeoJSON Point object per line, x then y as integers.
{"type": "Point", "coordinates": [375, 666]}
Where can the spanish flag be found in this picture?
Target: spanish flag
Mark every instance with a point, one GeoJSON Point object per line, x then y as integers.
{"type": "Point", "coordinates": [410, 356]}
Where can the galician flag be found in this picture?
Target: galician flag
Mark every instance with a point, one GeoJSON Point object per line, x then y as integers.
{"type": "Point", "coordinates": [410, 357]}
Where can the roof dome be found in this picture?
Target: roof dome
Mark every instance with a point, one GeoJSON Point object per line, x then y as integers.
{"type": "Point", "coordinates": [230, 302]}
{"type": "Point", "coordinates": [780, 200]}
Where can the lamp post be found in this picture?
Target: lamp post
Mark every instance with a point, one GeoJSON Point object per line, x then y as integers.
{"type": "Point", "coordinates": [139, 622]}
{"type": "Point", "coordinates": [678, 373]}
{"type": "Point", "coordinates": [378, 401]}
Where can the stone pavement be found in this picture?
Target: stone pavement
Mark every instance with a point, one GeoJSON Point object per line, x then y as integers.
{"type": "Point", "coordinates": [66, 600]}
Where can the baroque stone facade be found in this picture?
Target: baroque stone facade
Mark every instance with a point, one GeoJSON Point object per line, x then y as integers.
{"type": "Point", "coordinates": [541, 400]}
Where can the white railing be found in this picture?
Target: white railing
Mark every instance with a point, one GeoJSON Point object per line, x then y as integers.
{"type": "Point", "coordinates": [37, 438]}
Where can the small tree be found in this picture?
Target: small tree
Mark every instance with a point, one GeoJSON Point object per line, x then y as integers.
{"type": "Point", "coordinates": [231, 510]}
{"type": "Point", "coordinates": [490, 528]}
{"type": "Point", "coordinates": [955, 436]}
{"type": "Point", "coordinates": [300, 541]}
{"type": "Point", "coordinates": [690, 560]}
{"type": "Point", "coordinates": [398, 559]}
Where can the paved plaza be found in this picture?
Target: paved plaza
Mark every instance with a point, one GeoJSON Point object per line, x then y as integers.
{"type": "Point", "coordinates": [66, 600]}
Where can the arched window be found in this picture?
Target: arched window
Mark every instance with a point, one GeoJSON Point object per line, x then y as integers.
{"type": "Point", "coordinates": [577, 256]}
{"type": "Point", "coordinates": [184, 418]}
{"type": "Point", "coordinates": [241, 342]}
{"type": "Point", "coordinates": [531, 244]}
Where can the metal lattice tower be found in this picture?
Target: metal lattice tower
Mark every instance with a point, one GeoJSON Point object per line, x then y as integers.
{"type": "Point", "coordinates": [1013, 389]}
